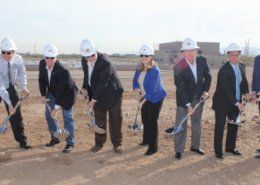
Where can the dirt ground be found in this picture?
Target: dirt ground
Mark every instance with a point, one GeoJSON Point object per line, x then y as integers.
{"type": "Point", "coordinates": [42, 165]}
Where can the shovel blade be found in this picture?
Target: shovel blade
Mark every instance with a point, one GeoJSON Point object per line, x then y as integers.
{"type": "Point", "coordinates": [62, 136]}
{"type": "Point", "coordinates": [173, 131]}
{"type": "Point", "coordinates": [131, 129]}
{"type": "Point", "coordinates": [177, 130]}
{"type": "Point", "coordinates": [3, 129]}
{"type": "Point", "coordinates": [97, 129]}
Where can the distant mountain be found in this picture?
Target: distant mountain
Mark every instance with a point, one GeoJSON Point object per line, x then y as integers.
{"type": "Point", "coordinates": [251, 49]}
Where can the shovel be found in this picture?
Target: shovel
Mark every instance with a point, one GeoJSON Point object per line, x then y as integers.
{"type": "Point", "coordinates": [135, 128]}
{"type": "Point", "coordinates": [238, 121]}
{"type": "Point", "coordinates": [62, 135]}
{"type": "Point", "coordinates": [176, 130]}
{"type": "Point", "coordinates": [4, 128]}
{"type": "Point", "coordinates": [96, 128]}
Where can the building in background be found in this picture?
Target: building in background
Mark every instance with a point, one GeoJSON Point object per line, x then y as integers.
{"type": "Point", "coordinates": [169, 53]}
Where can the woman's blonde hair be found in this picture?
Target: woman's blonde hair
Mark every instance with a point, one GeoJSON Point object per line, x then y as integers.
{"type": "Point", "coordinates": [149, 67]}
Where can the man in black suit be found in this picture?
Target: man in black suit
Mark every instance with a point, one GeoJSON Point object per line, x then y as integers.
{"type": "Point", "coordinates": [192, 79]}
{"type": "Point", "coordinates": [231, 84]}
{"type": "Point", "coordinates": [56, 84]}
{"type": "Point", "coordinates": [105, 90]}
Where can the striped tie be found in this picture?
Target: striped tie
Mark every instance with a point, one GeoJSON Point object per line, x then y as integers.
{"type": "Point", "coordinates": [9, 75]}
{"type": "Point", "coordinates": [237, 83]}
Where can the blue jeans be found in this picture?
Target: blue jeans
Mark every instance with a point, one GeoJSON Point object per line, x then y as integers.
{"type": "Point", "coordinates": [69, 123]}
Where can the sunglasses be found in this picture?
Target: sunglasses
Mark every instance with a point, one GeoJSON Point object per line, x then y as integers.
{"type": "Point", "coordinates": [91, 56]}
{"type": "Point", "coordinates": [144, 55]}
{"type": "Point", "coordinates": [8, 53]}
{"type": "Point", "coordinates": [49, 57]}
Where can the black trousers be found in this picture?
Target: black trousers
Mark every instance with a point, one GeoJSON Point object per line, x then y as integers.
{"type": "Point", "coordinates": [115, 124]}
{"type": "Point", "coordinates": [150, 114]}
{"type": "Point", "coordinates": [16, 120]}
{"type": "Point", "coordinates": [231, 130]}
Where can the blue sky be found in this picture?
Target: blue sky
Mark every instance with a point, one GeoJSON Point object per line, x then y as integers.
{"type": "Point", "coordinates": [124, 26]}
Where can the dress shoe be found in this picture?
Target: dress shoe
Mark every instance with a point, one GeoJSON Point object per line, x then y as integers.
{"type": "Point", "coordinates": [149, 153]}
{"type": "Point", "coordinates": [199, 151]}
{"type": "Point", "coordinates": [258, 150]}
{"type": "Point", "coordinates": [257, 156]}
{"type": "Point", "coordinates": [234, 151]}
{"type": "Point", "coordinates": [142, 144]}
{"type": "Point", "coordinates": [178, 155]}
{"type": "Point", "coordinates": [68, 149]}
{"type": "Point", "coordinates": [221, 156]}
{"type": "Point", "coordinates": [118, 149]}
{"type": "Point", "coordinates": [95, 148]}
{"type": "Point", "coordinates": [25, 146]}
{"type": "Point", "coordinates": [52, 143]}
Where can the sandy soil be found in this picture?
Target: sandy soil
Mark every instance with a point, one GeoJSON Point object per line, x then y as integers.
{"type": "Point", "coordinates": [43, 165]}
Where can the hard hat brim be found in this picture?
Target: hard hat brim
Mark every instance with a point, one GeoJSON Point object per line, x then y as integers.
{"type": "Point", "coordinates": [6, 48]}
{"type": "Point", "coordinates": [142, 53]}
{"type": "Point", "coordinates": [48, 55]}
{"type": "Point", "coordinates": [84, 54]}
{"type": "Point", "coordinates": [188, 48]}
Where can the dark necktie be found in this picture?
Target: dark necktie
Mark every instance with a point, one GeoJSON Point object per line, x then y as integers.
{"type": "Point", "coordinates": [9, 75]}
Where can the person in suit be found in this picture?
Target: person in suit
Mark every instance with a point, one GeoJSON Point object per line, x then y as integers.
{"type": "Point", "coordinates": [56, 83]}
{"type": "Point", "coordinates": [256, 87]}
{"type": "Point", "coordinates": [231, 84]}
{"type": "Point", "coordinates": [192, 77]}
{"type": "Point", "coordinates": [11, 69]}
{"type": "Point", "coordinates": [103, 86]}
{"type": "Point", "coordinates": [147, 78]}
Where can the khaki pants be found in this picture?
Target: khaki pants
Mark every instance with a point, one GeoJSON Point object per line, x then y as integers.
{"type": "Point", "coordinates": [180, 138]}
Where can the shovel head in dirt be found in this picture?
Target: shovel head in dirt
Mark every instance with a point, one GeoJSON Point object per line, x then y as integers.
{"type": "Point", "coordinates": [238, 121]}
{"type": "Point", "coordinates": [175, 130]}
{"type": "Point", "coordinates": [178, 129]}
{"type": "Point", "coordinates": [62, 135]}
{"type": "Point", "coordinates": [4, 128]}
{"type": "Point", "coordinates": [95, 128]}
{"type": "Point", "coordinates": [135, 128]}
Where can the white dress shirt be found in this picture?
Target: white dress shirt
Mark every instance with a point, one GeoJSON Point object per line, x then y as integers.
{"type": "Point", "coordinates": [17, 70]}
{"type": "Point", "coordinates": [194, 71]}
{"type": "Point", "coordinates": [49, 78]}
{"type": "Point", "coordinates": [193, 68]}
{"type": "Point", "coordinates": [90, 70]}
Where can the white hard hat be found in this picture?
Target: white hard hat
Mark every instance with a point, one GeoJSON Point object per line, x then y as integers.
{"type": "Point", "coordinates": [146, 50]}
{"type": "Point", "coordinates": [87, 48]}
{"type": "Point", "coordinates": [189, 43]}
{"type": "Point", "coordinates": [50, 50]}
{"type": "Point", "coordinates": [233, 47]}
{"type": "Point", "coordinates": [8, 44]}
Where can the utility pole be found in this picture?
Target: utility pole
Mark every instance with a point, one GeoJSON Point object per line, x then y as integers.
{"type": "Point", "coordinates": [35, 48]}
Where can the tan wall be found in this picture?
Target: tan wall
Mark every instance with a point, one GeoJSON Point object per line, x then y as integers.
{"type": "Point", "coordinates": [210, 48]}
{"type": "Point", "coordinates": [219, 59]}
{"type": "Point", "coordinates": [162, 56]}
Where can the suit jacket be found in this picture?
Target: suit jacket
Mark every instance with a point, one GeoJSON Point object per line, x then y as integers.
{"type": "Point", "coordinates": [256, 75]}
{"type": "Point", "coordinates": [105, 86]}
{"type": "Point", "coordinates": [186, 87]}
{"type": "Point", "coordinates": [62, 85]}
{"type": "Point", "coordinates": [224, 98]}
{"type": "Point", "coordinates": [154, 90]}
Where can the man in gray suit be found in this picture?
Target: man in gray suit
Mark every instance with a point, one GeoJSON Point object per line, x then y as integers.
{"type": "Point", "coordinates": [192, 79]}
